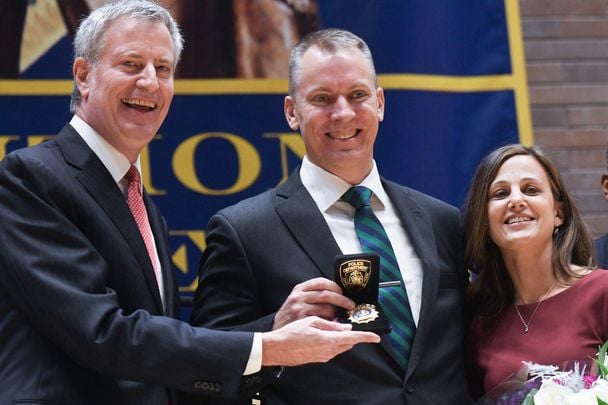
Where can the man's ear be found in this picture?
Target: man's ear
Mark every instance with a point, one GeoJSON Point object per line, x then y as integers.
{"type": "Point", "coordinates": [289, 107]}
{"type": "Point", "coordinates": [81, 70]}
{"type": "Point", "coordinates": [605, 185]}
{"type": "Point", "coordinates": [380, 97]}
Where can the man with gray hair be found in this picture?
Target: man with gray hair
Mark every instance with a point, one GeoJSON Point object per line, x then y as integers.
{"type": "Point", "coordinates": [88, 300]}
{"type": "Point", "coordinates": [271, 259]}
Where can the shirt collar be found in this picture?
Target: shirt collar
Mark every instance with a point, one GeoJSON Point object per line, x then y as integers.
{"type": "Point", "coordinates": [327, 188]}
{"type": "Point", "coordinates": [116, 163]}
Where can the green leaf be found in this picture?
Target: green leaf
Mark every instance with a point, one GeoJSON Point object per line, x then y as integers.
{"type": "Point", "coordinates": [601, 357]}
{"type": "Point", "coordinates": [529, 399]}
{"type": "Point", "coordinates": [600, 402]}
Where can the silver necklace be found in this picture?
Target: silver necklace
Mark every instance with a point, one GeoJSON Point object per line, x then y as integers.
{"type": "Point", "coordinates": [540, 301]}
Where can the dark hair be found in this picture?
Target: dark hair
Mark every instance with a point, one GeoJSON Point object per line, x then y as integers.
{"type": "Point", "coordinates": [492, 287]}
{"type": "Point", "coordinates": [330, 40]}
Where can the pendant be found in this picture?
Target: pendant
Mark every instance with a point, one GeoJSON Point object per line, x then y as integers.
{"type": "Point", "coordinates": [525, 328]}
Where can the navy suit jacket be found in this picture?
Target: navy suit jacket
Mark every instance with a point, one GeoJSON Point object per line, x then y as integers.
{"type": "Point", "coordinates": [601, 252]}
{"type": "Point", "coordinates": [260, 248]}
{"type": "Point", "coordinates": [81, 319]}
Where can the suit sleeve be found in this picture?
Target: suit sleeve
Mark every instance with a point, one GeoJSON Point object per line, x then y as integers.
{"type": "Point", "coordinates": [58, 283]}
{"type": "Point", "coordinates": [227, 296]}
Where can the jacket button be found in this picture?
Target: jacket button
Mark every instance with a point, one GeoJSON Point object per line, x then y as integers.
{"type": "Point", "coordinates": [409, 389]}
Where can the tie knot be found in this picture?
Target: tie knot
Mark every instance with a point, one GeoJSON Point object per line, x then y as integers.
{"type": "Point", "coordinates": [358, 196]}
{"type": "Point", "coordinates": [132, 175]}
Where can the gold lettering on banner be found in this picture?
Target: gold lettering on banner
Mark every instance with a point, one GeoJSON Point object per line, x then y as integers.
{"type": "Point", "coordinates": [33, 140]}
{"type": "Point", "coordinates": [288, 141]}
{"type": "Point", "coordinates": [146, 170]}
{"type": "Point", "coordinates": [248, 160]}
{"type": "Point", "coordinates": [180, 256]}
{"type": "Point", "coordinates": [4, 140]}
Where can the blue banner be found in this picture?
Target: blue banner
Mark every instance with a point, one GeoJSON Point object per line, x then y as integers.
{"type": "Point", "coordinates": [453, 74]}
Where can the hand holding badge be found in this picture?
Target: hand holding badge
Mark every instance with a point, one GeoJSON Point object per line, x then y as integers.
{"type": "Point", "coordinates": [359, 275]}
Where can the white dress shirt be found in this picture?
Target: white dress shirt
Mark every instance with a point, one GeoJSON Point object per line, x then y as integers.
{"type": "Point", "coordinates": [326, 190]}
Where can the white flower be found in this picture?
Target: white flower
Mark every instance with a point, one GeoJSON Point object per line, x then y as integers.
{"type": "Point", "coordinates": [551, 393]}
{"type": "Point", "coordinates": [600, 387]}
{"type": "Point", "coordinates": [583, 397]}
{"type": "Point", "coordinates": [559, 387]}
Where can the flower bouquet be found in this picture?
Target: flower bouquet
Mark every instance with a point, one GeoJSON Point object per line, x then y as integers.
{"type": "Point", "coordinates": [584, 383]}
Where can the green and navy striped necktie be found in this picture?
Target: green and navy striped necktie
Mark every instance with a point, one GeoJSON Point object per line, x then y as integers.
{"type": "Point", "coordinates": [393, 300]}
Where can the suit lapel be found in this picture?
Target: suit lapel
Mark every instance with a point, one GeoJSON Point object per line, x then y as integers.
{"type": "Point", "coordinates": [420, 232]}
{"type": "Point", "coordinates": [99, 183]}
{"type": "Point", "coordinates": [301, 216]}
{"type": "Point", "coordinates": [160, 237]}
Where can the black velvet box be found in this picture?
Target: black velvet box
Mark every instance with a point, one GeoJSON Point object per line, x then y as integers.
{"type": "Point", "coordinates": [359, 276]}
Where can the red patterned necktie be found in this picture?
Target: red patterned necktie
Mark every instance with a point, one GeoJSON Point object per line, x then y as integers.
{"type": "Point", "coordinates": [138, 209]}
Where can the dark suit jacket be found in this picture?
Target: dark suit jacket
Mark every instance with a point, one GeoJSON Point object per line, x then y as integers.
{"type": "Point", "coordinates": [601, 252]}
{"type": "Point", "coordinates": [80, 314]}
{"type": "Point", "coordinates": [259, 249]}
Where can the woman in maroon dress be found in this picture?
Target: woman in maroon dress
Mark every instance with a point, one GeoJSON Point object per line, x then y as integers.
{"type": "Point", "coordinates": [534, 296]}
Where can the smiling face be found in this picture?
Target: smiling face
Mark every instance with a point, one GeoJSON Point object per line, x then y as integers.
{"type": "Point", "coordinates": [522, 210]}
{"type": "Point", "coordinates": [337, 108]}
{"type": "Point", "coordinates": [127, 94]}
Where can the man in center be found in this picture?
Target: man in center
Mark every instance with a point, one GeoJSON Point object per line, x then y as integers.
{"type": "Point", "coordinates": [270, 259]}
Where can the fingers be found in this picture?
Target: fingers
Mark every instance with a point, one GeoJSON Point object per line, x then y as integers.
{"type": "Point", "coordinates": [356, 337]}
{"type": "Point", "coordinates": [319, 283]}
{"type": "Point", "coordinates": [293, 310]}
{"type": "Point", "coordinates": [323, 324]}
{"type": "Point", "coordinates": [316, 297]}
{"type": "Point", "coordinates": [344, 334]}
{"type": "Point", "coordinates": [310, 340]}
{"type": "Point", "coordinates": [338, 338]}
{"type": "Point", "coordinates": [322, 291]}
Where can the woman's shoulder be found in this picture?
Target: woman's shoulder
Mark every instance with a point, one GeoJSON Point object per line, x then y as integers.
{"type": "Point", "coordinates": [594, 280]}
{"type": "Point", "coordinates": [597, 275]}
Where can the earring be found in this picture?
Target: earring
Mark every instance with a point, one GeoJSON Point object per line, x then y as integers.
{"type": "Point", "coordinates": [555, 230]}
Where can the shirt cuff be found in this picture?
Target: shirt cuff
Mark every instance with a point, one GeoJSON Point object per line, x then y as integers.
{"type": "Point", "coordinates": [254, 364]}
